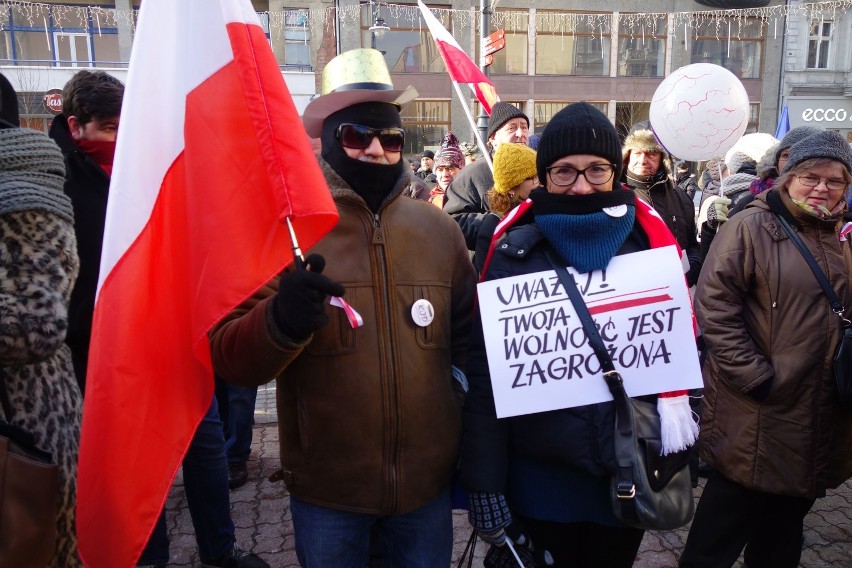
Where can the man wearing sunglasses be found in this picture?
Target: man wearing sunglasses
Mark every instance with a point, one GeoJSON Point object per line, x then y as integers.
{"type": "Point", "coordinates": [465, 199]}
{"type": "Point", "coordinates": [370, 423]}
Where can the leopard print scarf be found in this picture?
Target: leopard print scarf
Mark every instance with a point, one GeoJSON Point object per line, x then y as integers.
{"type": "Point", "coordinates": [32, 174]}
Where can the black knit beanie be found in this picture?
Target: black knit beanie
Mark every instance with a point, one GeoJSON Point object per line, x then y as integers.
{"type": "Point", "coordinates": [825, 144]}
{"type": "Point", "coordinates": [9, 117]}
{"type": "Point", "coordinates": [578, 128]}
{"type": "Point", "coordinates": [501, 113]}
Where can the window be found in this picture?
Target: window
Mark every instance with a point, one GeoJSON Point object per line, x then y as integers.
{"type": "Point", "coordinates": [297, 37]}
{"type": "Point", "coordinates": [408, 46]}
{"type": "Point", "coordinates": [73, 36]}
{"type": "Point", "coordinates": [512, 59]}
{"type": "Point", "coordinates": [71, 49]}
{"type": "Point", "coordinates": [737, 46]}
{"type": "Point", "coordinates": [292, 45]}
{"type": "Point", "coordinates": [425, 122]}
{"type": "Point", "coordinates": [629, 113]}
{"type": "Point", "coordinates": [819, 44]}
{"type": "Point", "coordinates": [544, 111]}
{"type": "Point", "coordinates": [572, 44]}
{"type": "Point", "coordinates": [753, 118]}
{"type": "Point", "coordinates": [641, 49]}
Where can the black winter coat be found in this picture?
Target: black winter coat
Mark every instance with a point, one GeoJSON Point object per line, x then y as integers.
{"type": "Point", "coordinates": [466, 200]}
{"type": "Point", "coordinates": [578, 438]}
{"type": "Point", "coordinates": [87, 184]}
{"type": "Point", "coordinates": [678, 212]}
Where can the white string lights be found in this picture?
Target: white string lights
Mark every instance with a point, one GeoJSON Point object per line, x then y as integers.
{"type": "Point", "coordinates": [34, 14]}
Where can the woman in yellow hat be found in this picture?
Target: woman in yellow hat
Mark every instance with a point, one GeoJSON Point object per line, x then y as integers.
{"type": "Point", "coordinates": [515, 176]}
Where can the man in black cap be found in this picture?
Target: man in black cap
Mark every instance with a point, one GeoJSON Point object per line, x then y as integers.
{"type": "Point", "coordinates": [370, 427]}
{"type": "Point", "coordinates": [466, 195]}
{"type": "Point", "coordinates": [427, 160]}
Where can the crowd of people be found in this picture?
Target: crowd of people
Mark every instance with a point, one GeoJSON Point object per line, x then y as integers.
{"type": "Point", "coordinates": [380, 419]}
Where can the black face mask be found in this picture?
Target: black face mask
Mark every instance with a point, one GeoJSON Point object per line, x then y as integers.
{"type": "Point", "coordinates": [373, 182]}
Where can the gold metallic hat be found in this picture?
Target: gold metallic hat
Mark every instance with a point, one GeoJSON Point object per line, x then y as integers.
{"type": "Point", "coordinates": [356, 76]}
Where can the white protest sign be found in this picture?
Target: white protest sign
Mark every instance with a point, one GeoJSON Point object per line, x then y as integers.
{"type": "Point", "coordinates": [538, 354]}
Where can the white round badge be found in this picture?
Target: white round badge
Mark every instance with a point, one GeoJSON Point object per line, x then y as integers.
{"type": "Point", "coordinates": [617, 211]}
{"type": "Point", "coordinates": [422, 312]}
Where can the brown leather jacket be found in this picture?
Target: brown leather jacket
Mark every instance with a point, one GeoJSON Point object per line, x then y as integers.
{"type": "Point", "coordinates": [765, 318]}
{"type": "Point", "coordinates": [368, 419]}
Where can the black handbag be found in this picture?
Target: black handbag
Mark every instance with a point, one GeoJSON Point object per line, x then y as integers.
{"type": "Point", "coordinates": [843, 355]}
{"type": "Point", "coordinates": [648, 490]}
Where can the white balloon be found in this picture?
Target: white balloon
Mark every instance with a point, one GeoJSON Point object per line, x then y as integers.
{"type": "Point", "coordinates": [699, 112]}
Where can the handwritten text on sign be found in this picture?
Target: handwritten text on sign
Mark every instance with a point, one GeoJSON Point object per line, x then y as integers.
{"type": "Point", "coordinates": [538, 354]}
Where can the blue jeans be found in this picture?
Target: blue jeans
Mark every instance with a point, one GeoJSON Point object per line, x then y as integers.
{"type": "Point", "coordinates": [328, 538]}
{"type": "Point", "coordinates": [236, 406]}
{"type": "Point", "coordinates": [205, 479]}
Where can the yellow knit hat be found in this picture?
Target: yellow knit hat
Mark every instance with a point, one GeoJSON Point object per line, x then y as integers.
{"type": "Point", "coordinates": [513, 163]}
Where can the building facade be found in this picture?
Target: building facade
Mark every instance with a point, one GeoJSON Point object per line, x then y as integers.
{"type": "Point", "coordinates": [555, 53]}
{"type": "Point", "coordinates": [817, 86]}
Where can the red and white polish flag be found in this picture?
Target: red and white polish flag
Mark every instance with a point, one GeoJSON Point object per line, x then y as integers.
{"type": "Point", "coordinates": [211, 157]}
{"type": "Point", "coordinates": [460, 66]}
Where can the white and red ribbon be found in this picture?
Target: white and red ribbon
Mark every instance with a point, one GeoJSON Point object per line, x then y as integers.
{"type": "Point", "coordinates": [355, 319]}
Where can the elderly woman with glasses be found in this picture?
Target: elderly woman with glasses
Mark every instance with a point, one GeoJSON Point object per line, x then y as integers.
{"type": "Point", "coordinates": [772, 426]}
{"type": "Point", "coordinates": [551, 471]}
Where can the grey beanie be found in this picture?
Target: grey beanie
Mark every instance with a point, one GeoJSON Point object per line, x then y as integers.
{"type": "Point", "coordinates": [825, 144]}
{"type": "Point", "coordinates": [736, 183]}
{"type": "Point", "coordinates": [501, 113]}
{"type": "Point", "coordinates": [737, 161]}
{"type": "Point", "coordinates": [578, 128]}
{"type": "Point", "coordinates": [793, 136]}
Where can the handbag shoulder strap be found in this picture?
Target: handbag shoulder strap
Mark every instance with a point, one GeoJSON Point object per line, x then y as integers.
{"type": "Point", "coordinates": [613, 379]}
{"type": "Point", "coordinates": [595, 340]}
{"type": "Point", "coordinates": [625, 487]}
{"type": "Point", "coordinates": [836, 305]}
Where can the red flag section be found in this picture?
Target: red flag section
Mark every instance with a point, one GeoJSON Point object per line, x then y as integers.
{"type": "Point", "coordinates": [460, 66]}
{"type": "Point", "coordinates": [211, 157]}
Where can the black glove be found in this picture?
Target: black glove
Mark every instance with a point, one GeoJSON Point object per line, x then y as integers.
{"type": "Point", "coordinates": [300, 304]}
{"type": "Point", "coordinates": [500, 556]}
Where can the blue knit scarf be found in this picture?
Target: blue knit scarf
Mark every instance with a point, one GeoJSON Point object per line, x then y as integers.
{"type": "Point", "coordinates": [578, 227]}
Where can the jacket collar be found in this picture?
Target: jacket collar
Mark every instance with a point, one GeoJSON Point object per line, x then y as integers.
{"type": "Point", "coordinates": [779, 201]}
{"type": "Point", "coordinates": [343, 191]}
{"type": "Point", "coordinates": [61, 133]}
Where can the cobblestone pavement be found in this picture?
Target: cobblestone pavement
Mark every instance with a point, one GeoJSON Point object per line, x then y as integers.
{"type": "Point", "coordinates": [261, 514]}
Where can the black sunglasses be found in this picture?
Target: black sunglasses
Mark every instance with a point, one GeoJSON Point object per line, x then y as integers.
{"type": "Point", "coordinates": [358, 137]}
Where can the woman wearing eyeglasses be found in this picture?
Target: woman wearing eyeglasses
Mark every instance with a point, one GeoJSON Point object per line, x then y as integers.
{"type": "Point", "coordinates": [772, 427]}
{"type": "Point", "coordinates": [551, 471]}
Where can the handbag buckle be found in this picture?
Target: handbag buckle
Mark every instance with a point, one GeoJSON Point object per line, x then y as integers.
{"type": "Point", "coordinates": [624, 493]}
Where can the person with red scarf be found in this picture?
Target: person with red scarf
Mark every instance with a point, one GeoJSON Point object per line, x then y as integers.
{"type": "Point", "coordinates": [547, 475]}
{"type": "Point", "coordinates": [85, 132]}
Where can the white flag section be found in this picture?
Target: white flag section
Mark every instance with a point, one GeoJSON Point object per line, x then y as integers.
{"type": "Point", "coordinates": [538, 354]}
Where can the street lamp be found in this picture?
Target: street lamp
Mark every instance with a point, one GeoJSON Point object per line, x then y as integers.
{"type": "Point", "coordinates": [379, 27]}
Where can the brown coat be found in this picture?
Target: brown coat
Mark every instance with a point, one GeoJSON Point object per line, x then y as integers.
{"type": "Point", "coordinates": [765, 318]}
{"type": "Point", "coordinates": [368, 420]}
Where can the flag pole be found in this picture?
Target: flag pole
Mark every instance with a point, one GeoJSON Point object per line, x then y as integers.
{"type": "Point", "coordinates": [298, 257]}
{"type": "Point", "coordinates": [479, 141]}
